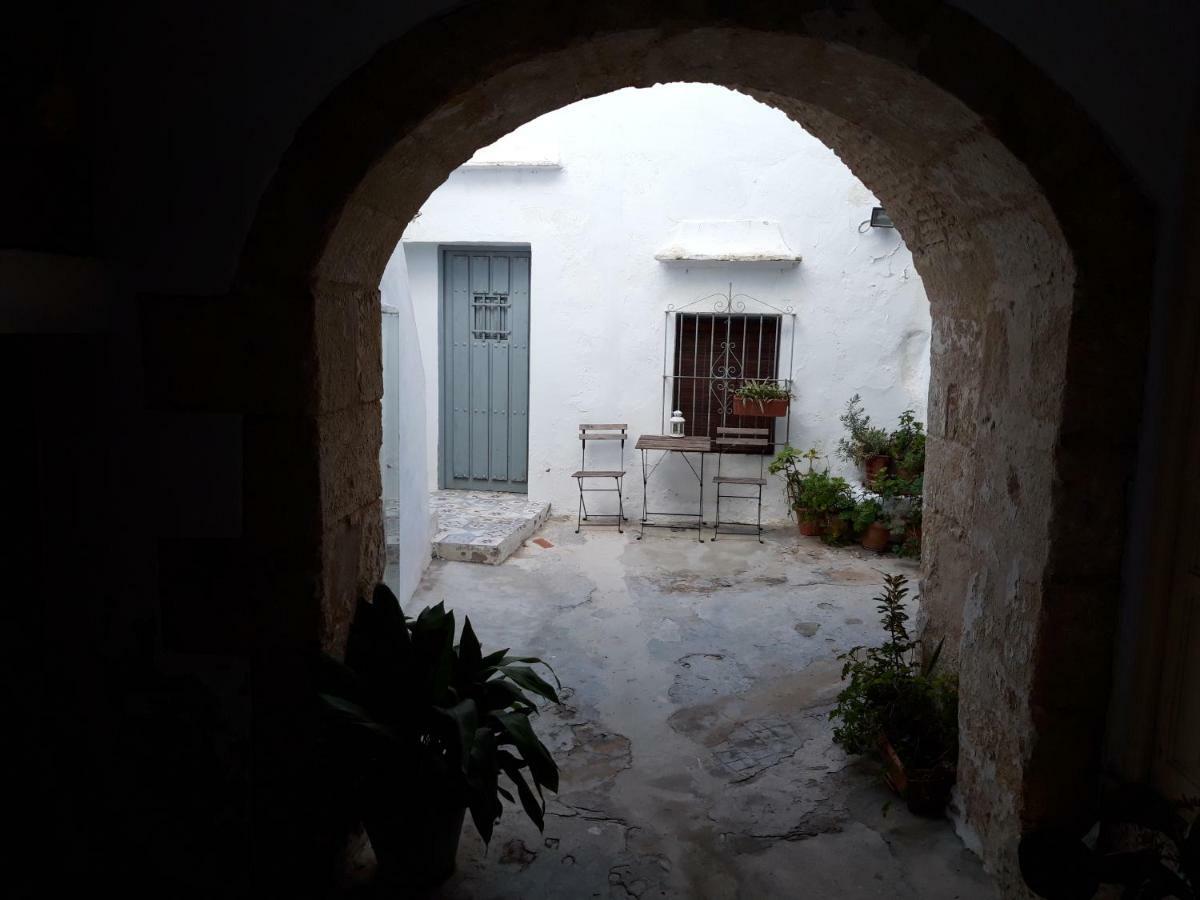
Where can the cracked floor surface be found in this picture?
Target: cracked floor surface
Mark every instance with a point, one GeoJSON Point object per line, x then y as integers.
{"type": "Point", "coordinates": [694, 742]}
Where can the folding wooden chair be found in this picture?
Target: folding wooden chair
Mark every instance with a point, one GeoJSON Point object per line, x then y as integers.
{"type": "Point", "coordinates": [740, 437]}
{"type": "Point", "coordinates": [600, 432]}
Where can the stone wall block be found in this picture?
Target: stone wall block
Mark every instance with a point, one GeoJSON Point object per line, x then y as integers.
{"type": "Point", "coordinates": [349, 459]}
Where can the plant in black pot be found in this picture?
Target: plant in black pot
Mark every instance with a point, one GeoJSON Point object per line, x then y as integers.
{"type": "Point", "coordinates": [898, 706]}
{"type": "Point", "coordinates": [428, 727]}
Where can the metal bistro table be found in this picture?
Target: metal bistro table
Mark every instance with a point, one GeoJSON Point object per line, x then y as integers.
{"type": "Point", "coordinates": [683, 446]}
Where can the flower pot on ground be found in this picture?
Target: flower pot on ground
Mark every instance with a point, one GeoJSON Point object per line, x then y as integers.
{"type": "Point", "coordinates": [420, 850]}
{"type": "Point", "coordinates": [870, 525]}
{"type": "Point", "coordinates": [829, 501]}
{"type": "Point", "coordinates": [929, 789]}
{"type": "Point", "coordinates": [426, 727]}
{"type": "Point", "coordinates": [761, 398]}
{"type": "Point", "coordinates": [896, 704]}
{"type": "Point", "coordinates": [863, 442]}
{"type": "Point", "coordinates": [837, 528]}
{"type": "Point", "coordinates": [925, 791]}
{"type": "Point", "coordinates": [876, 537]}
{"type": "Point", "coordinates": [875, 466]}
{"type": "Point", "coordinates": [809, 523]}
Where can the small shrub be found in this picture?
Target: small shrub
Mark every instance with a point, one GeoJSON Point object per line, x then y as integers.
{"type": "Point", "coordinates": [891, 693]}
{"type": "Point", "coordinates": [863, 440]}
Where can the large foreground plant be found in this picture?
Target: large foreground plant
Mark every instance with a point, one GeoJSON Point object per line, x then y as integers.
{"type": "Point", "coordinates": [430, 722]}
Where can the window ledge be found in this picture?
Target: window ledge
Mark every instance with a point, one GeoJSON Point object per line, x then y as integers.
{"type": "Point", "coordinates": [727, 241]}
{"type": "Point", "coordinates": [511, 164]}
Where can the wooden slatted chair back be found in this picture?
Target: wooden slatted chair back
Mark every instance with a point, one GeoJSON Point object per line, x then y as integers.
{"type": "Point", "coordinates": [742, 437]}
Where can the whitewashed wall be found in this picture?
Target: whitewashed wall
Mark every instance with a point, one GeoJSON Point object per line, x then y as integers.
{"type": "Point", "coordinates": [635, 163]}
{"type": "Point", "coordinates": [402, 456]}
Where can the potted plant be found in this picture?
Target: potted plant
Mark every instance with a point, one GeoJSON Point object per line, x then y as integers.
{"type": "Point", "coordinates": [829, 500]}
{"type": "Point", "coordinates": [870, 524]}
{"type": "Point", "coordinates": [761, 398]}
{"type": "Point", "coordinates": [906, 446]}
{"type": "Point", "coordinates": [788, 462]}
{"type": "Point", "coordinates": [865, 445]}
{"type": "Point", "coordinates": [897, 705]}
{"type": "Point", "coordinates": [902, 501]}
{"type": "Point", "coordinates": [428, 727]}
{"type": "Point", "coordinates": [810, 516]}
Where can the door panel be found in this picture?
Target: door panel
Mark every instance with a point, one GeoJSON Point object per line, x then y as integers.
{"type": "Point", "coordinates": [485, 373]}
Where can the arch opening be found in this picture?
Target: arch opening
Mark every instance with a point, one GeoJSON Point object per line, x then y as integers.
{"type": "Point", "coordinates": [1026, 298]}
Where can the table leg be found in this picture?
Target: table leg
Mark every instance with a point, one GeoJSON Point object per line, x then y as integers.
{"type": "Point", "coordinates": [645, 480]}
{"type": "Point", "coordinates": [700, 511]}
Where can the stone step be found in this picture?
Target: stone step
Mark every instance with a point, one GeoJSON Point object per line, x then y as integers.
{"type": "Point", "coordinates": [484, 526]}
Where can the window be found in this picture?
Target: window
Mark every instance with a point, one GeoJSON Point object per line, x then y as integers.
{"type": "Point", "coordinates": [713, 355]}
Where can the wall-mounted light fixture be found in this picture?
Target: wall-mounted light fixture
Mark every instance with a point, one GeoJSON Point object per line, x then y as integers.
{"type": "Point", "coordinates": [879, 219]}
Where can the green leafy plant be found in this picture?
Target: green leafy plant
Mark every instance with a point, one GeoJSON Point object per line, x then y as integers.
{"type": "Point", "coordinates": [896, 486]}
{"type": "Point", "coordinates": [863, 440]}
{"type": "Point", "coordinates": [827, 498]}
{"type": "Point", "coordinates": [436, 722]}
{"type": "Point", "coordinates": [825, 493]}
{"type": "Point", "coordinates": [903, 504]}
{"type": "Point", "coordinates": [866, 512]}
{"type": "Point", "coordinates": [762, 390]}
{"type": "Point", "coordinates": [789, 462]}
{"type": "Point", "coordinates": [891, 693]}
{"type": "Point", "coordinates": [907, 445]}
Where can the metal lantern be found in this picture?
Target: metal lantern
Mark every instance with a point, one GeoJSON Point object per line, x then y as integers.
{"type": "Point", "coordinates": [677, 423]}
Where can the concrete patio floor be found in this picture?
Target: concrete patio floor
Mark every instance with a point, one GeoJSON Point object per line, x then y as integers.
{"type": "Point", "coordinates": [694, 743]}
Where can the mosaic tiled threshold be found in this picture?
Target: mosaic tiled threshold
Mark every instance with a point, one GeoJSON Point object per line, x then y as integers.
{"type": "Point", "coordinates": [483, 526]}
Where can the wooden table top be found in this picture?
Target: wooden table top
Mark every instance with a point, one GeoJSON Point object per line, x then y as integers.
{"type": "Point", "coordinates": [666, 442]}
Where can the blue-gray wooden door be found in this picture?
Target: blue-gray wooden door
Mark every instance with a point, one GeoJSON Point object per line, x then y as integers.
{"type": "Point", "coordinates": [485, 369]}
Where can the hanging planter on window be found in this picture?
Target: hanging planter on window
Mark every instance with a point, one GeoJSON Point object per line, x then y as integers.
{"type": "Point", "coordinates": [761, 398]}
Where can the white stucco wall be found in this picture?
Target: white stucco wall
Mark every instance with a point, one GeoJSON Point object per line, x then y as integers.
{"type": "Point", "coordinates": [634, 164]}
{"type": "Point", "coordinates": [402, 456]}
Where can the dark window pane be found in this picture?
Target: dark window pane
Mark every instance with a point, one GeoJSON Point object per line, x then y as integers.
{"type": "Point", "coordinates": [714, 354]}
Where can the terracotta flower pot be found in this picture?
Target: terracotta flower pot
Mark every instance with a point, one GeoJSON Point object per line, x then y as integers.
{"type": "Point", "coordinates": [877, 537]}
{"type": "Point", "coordinates": [925, 791]}
{"type": "Point", "coordinates": [745, 407]}
{"type": "Point", "coordinates": [836, 528]}
{"type": "Point", "coordinates": [809, 527]}
{"type": "Point", "coordinates": [874, 466]}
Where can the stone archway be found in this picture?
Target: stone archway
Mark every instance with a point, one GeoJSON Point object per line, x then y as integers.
{"type": "Point", "coordinates": [985, 166]}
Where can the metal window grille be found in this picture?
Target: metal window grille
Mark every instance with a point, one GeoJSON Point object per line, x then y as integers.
{"type": "Point", "coordinates": [489, 317]}
{"type": "Point", "coordinates": [708, 355]}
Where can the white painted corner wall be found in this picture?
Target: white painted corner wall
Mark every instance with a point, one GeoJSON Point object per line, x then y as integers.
{"type": "Point", "coordinates": [402, 453]}
{"type": "Point", "coordinates": [634, 165]}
